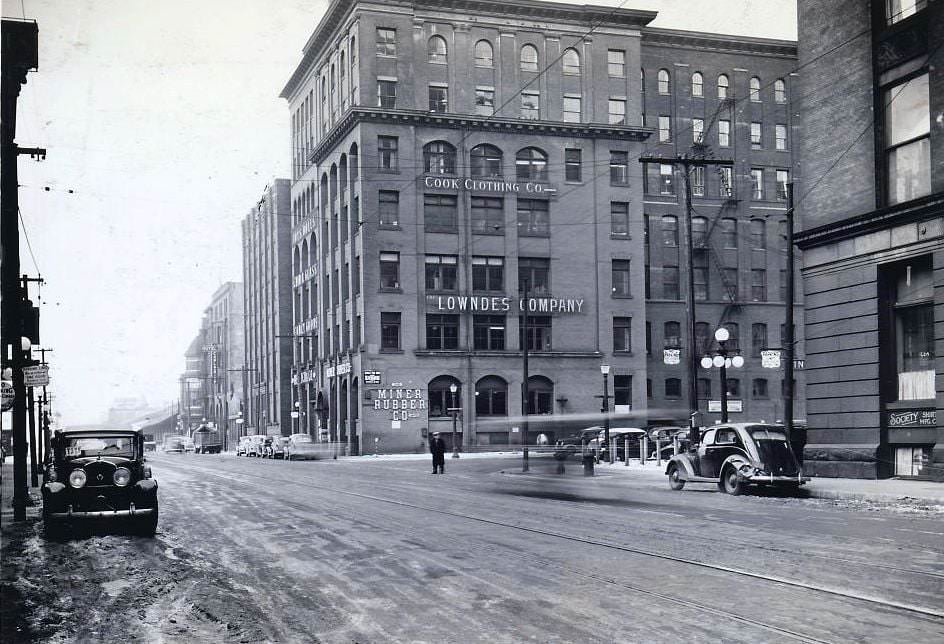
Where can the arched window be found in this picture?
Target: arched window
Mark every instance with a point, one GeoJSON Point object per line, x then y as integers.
{"type": "Point", "coordinates": [642, 80]}
{"type": "Point", "coordinates": [571, 61]}
{"type": "Point", "coordinates": [673, 335]}
{"type": "Point", "coordinates": [441, 397]}
{"type": "Point", "coordinates": [334, 182]}
{"type": "Point", "coordinates": [312, 250]}
{"type": "Point", "coordinates": [324, 192]}
{"type": "Point", "coordinates": [755, 89]}
{"type": "Point", "coordinates": [355, 160]}
{"type": "Point", "coordinates": [722, 86]}
{"type": "Point", "coordinates": [436, 50]}
{"type": "Point", "coordinates": [491, 397]}
{"type": "Point", "coordinates": [529, 58]}
{"type": "Point", "coordinates": [439, 157]}
{"type": "Point", "coordinates": [780, 91]}
{"type": "Point", "coordinates": [698, 84]}
{"type": "Point", "coordinates": [304, 256]}
{"type": "Point", "coordinates": [297, 260]}
{"type": "Point", "coordinates": [663, 81]}
{"type": "Point", "coordinates": [486, 161]}
{"type": "Point", "coordinates": [531, 163]}
{"type": "Point", "coordinates": [342, 174]}
{"type": "Point", "coordinates": [540, 395]}
{"type": "Point", "coordinates": [484, 54]}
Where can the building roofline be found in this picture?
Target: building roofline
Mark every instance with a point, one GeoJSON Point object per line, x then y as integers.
{"type": "Point", "coordinates": [719, 42]}
{"type": "Point", "coordinates": [586, 15]}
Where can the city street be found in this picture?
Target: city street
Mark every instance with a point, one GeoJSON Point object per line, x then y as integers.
{"type": "Point", "coordinates": [381, 550]}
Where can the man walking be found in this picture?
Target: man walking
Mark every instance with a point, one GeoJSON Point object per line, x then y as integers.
{"type": "Point", "coordinates": [437, 447]}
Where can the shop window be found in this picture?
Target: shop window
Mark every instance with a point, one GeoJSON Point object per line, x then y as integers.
{"type": "Point", "coordinates": [441, 398]}
{"type": "Point", "coordinates": [540, 395]}
{"type": "Point", "coordinates": [914, 329]}
{"type": "Point", "coordinates": [491, 397]}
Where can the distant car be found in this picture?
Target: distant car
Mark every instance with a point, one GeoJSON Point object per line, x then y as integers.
{"type": "Point", "coordinates": [574, 444]}
{"type": "Point", "coordinates": [150, 446]}
{"type": "Point", "coordinates": [620, 434]}
{"type": "Point", "coordinates": [242, 447]}
{"type": "Point", "coordinates": [174, 444]}
{"type": "Point", "coordinates": [98, 474]}
{"type": "Point", "coordinates": [189, 445]}
{"type": "Point", "coordinates": [274, 447]}
{"type": "Point", "coordinates": [300, 446]}
{"type": "Point", "coordinates": [737, 455]}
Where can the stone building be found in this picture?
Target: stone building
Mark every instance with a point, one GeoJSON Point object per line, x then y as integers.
{"type": "Point", "coordinates": [871, 202]}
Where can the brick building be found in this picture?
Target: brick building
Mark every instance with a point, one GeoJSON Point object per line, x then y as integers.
{"type": "Point", "coordinates": [438, 171]}
{"type": "Point", "coordinates": [871, 203]}
{"type": "Point", "coordinates": [224, 351]}
{"type": "Point", "coordinates": [267, 312]}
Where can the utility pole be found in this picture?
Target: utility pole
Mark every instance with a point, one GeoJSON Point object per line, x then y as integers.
{"type": "Point", "coordinates": [44, 412]}
{"type": "Point", "coordinates": [20, 53]}
{"type": "Point", "coordinates": [789, 340]}
{"type": "Point", "coordinates": [686, 163]}
{"type": "Point", "coordinates": [524, 383]}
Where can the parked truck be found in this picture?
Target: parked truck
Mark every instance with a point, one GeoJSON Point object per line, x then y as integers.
{"type": "Point", "coordinates": [207, 440]}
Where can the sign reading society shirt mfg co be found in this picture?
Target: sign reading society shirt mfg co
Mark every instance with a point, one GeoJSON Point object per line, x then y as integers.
{"type": "Point", "coordinates": [495, 186]}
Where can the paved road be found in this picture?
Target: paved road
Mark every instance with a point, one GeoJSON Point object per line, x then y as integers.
{"type": "Point", "coordinates": [381, 551]}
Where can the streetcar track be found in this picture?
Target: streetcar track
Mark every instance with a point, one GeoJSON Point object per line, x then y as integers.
{"type": "Point", "coordinates": [908, 608]}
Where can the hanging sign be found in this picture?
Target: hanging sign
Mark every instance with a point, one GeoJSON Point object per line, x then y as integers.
{"type": "Point", "coordinates": [7, 396]}
{"type": "Point", "coordinates": [770, 359]}
{"type": "Point", "coordinates": [734, 406]}
{"type": "Point", "coordinates": [372, 378]}
{"type": "Point", "coordinates": [912, 418]}
{"type": "Point", "coordinates": [671, 356]}
{"type": "Point", "coordinates": [36, 376]}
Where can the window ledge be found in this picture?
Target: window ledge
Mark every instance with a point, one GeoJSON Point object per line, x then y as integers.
{"type": "Point", "coordinates": [620, 236]}
{"type": "Point", "coordinates": [391, 351]}
{"type": "Point", "coordinates": [389, 290]}
{"type": "Point", "coordinates": [617, 296]}
{"type": "Point", "coordinates": [389, 227]}
{"type": "Point", "coordinates": [388, 171]}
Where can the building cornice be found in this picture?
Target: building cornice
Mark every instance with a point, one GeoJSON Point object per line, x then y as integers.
{"type": "Point", "coordinates": [722, 43]}
{"type": "Point", "coordinates": [500, 125]}
{"type": "Point", "coordinates": [881, 219]}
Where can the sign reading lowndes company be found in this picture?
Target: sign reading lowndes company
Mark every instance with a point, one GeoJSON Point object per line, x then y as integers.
{"type": "Point", "coordinates": [503, 304]}
{"type": "Point", "coordinates": [402, 402]}
{"type": "Point", "coordinates": [912, 418]}
{"type": "Point", "coordinates": [496, 186]}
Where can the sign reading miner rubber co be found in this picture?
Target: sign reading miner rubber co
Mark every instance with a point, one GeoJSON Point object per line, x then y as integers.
{"type": "Point", "coordinates": [504, 304]}
{"type": "Point", "coordinates": [402, 402]}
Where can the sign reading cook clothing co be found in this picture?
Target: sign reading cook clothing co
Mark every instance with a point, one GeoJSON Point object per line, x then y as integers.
{"type": "Point", "coordinates": [402, 402]}
{"type": "Point", "coordinates": [912, 418]}
{"type": "Point", "coordinates": [503, 304]}
{"type": "Point", "coordinates": [497, 186]}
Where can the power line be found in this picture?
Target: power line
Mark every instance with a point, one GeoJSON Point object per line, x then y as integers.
{"type": "Point", "coordinates": [28, 244]}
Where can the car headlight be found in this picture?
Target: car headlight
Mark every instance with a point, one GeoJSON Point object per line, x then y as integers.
{"type": "Point", "coordinates": [122, 476]}
{"type": "Point", "coordinates": [77, 478]}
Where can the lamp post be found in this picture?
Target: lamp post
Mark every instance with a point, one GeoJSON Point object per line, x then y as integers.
{"type": "Point", "coordinates": [605, 370]}
{"type": "Point", "coordinates": [722, 360]}
{"type": "Point", "coordinates": [296, 415]}
{"type": "Point", "coordinates": [455, 415]}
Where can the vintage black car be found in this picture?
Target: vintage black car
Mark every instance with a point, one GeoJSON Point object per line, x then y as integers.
{"type": "Point", "coordinates": [737, 455]}
{"type": "Point", "coordinates": [99, 474]}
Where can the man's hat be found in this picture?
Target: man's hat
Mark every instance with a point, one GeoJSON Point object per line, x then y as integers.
{"type": "Point", "coordinates": [435, 433]}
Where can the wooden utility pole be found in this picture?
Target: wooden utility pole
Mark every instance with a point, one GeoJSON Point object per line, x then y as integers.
{"type": "Point", "coordinates": [788, 338]}
{"type": "Point", "coordinates": [524, 383]}
{"type": "Point", "coordinates": [686, 163]}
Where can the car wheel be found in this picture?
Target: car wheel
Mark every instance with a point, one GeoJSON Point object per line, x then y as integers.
{"type": "Point", "coordinates": [147, 526]}
{"type": "Point", "coordinates": [730, 482]}
{"type": "Point", "coordinates": [675, 482]}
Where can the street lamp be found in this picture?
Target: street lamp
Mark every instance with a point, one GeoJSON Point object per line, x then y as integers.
{"type": "Point", "coordinates": [453, 388]}
{"type": "Point", "coordinates": [295, 417]}
{"type": "Point", "coordinates": [722, 360]}
{"type": "Point", "coordinates": [605, 370]}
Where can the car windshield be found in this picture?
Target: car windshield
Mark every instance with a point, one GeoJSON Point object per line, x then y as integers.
{"type": "Point", "coordinates": [98, 446]}
{"type": "Point", "coordinates": [761, 433]}
{"type": "Point", "coordinates": [304, 438]}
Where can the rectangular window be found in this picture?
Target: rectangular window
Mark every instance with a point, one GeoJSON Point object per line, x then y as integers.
{"type": "Point", "coordinates": [438, 98]}
{"type": "Point", "coordinates": [724, 133]}
{"type": "Point", "coordinates": [622, 335]}
{"type": "Point", "coordinates": [387, 154]}
{"type": "Point", "coordinates": [441, 213]}
{"type": "Point", "coordinates": [488, 274]}
{"type": "Point", "coordinates": [698, 180]}
{"type": "Point", "coordinates": [441, 273]}
{"type": "Point", "coordinates": [390, 331]}
{"type": "Point", "coordinates": [484, 101]}
{"type": "Point", "coordinates": [666, 179]}
{"type": "Point", "coordinates": [539, 332]}
{"type": "Point", "coordinates": [913, 328]}
{"type": "Point", "coordinates": [619, 168]}
{"type": "Point", "coordinates": [572, 164]}
{"type": "Point", "coordinates": [648, 338]}
{"type": "Point", "coordinates": [442, 332]}
{"type": "Point", "coordinates": [670, 282]}
{"type": "Point", "coordinates": [758, 285]}
{"type": "Point", "coordinates": [616, 63]}
{"type": "Point", "coordinates": [389, 271]}
{"type": "Point", "coordinates": [757, 184]}
{"type": "Point", "coordinates": [907, 140]}
{"type": "Point", "coordinates": [703, 388]}
{"type": "Point", "coordinates": [617, 111]}
{"type": "Point", "coordinates": [488, 215]}
{"type": "Point", "coordinates": [783, 178]}
{"type": "Point", "coordinates": [388, 208]}
{"type": "Point", "coordinates": [898, 10]}
{"type": "Point", "coordinates": [725, 182]}
{"type": "Point", "coordinates": [673, 388]}
{"type": "Point", "coordinates": [758, 339]}
{"type": "Point", "coordinates": [620, 278]}
{"type": "Point", "coordinates": [665, 129]}
{"type": "Point", "coordinates": [731, 285]}
{"type": "Point", "coordinates": [488, 332]}
{"type": "Point", "coordinates": [698, 130]}
{"type": "Point", "coordinates": [700, 280]}
{"type": "Point", "coordinates": [386, 41]}
{"type": "Point", "coordinates": [729, 232]}
{"type": "Point", "coordinates": [734, 387]}
{"type": "Point", "coordinates": [530, 105]}
{"type": "Point", "coordinates": [780, 137]}
{"type": "Point", "coordinates": [670, 231]}
{"type": "Point", "coordinates": [533, 218]}
{"type": "Point", "coordinates": [572, 109]}
{"type": "Point", "coordinates": [757, 140]}
{"type": "Point", "coordinates": [619, 218]}
{"type": "Point", "coordinates": [387, 94]}
{"type": "Point", "coordinates": [537, 271]}
{"type": "Point", "coordinates": [759, 388]}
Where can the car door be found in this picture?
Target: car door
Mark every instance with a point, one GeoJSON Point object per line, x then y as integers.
{"type": "Point", "coordinates": [721, 444]}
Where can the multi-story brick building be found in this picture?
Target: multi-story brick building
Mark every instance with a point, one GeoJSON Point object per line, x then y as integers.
{"type": "Point", "coordinates": [870, 203]}
{"type": "Point", "coordinates": [224, 351]}
{"type": "Point", "coordinates": [439, 169]}
{"type": "Point", "coordinates": [267, 311]}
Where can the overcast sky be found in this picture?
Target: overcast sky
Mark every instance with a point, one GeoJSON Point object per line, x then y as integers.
{"type": "Point", "coordinates": [163, 119]}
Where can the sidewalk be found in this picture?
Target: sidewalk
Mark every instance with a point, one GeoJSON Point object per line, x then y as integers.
{"type": "Point", "coordinates": [6, 495]}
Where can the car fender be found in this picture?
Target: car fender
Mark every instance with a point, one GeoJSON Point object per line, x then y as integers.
{"type": "Point", "coordinates": [53, 487]}
{"type": "Point", "coordinates": [684, 464]}
{"type": "Point", "coordinates": [145, 487]}
{"type": "Point", "coordinates": [736, 461]}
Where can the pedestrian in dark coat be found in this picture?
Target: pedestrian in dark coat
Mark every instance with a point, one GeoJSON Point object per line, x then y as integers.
{"type": "Point", "coordinates": [437, 447]}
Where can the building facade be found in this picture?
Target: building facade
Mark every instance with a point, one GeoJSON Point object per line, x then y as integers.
{"type": "Point", "coordinates": [871, 205]}
{"type": "Point", "coordinates": [224, 352]}
{"type": "Point", "coordinates": [191, 409]}
{"type": "Point", "coordinates": [445, 184]}
{"type": "Point", "coordinates": [267, 311]}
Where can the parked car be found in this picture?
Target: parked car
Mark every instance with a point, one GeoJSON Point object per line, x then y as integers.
{"type": "Point", "coordinates": [274, 447]}
{"type": "Point", "coordinates": [189, 445]}
{"type": "Point", "coordinates": [150, 446]}
{"type": "Point", "coordinates": [666, 434]}
{"type": "Point", "coordinates": [242, 447]}
{"type": "Point", "coordinates": [300, 446]}
{"type": "Point", "coordinates": [257, 445]}
{"type": "Point", "coordinates": [573, 444]}
{"type": "Point", "coordinates": [98, 474]}
{"type": "Point", "coordinates": [737, 455]}
{"type": "Point", "coordinates": [174, 444]}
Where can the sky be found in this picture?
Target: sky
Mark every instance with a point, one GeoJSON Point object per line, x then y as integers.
{"type": "Point", "coordinates": [163, 127]}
